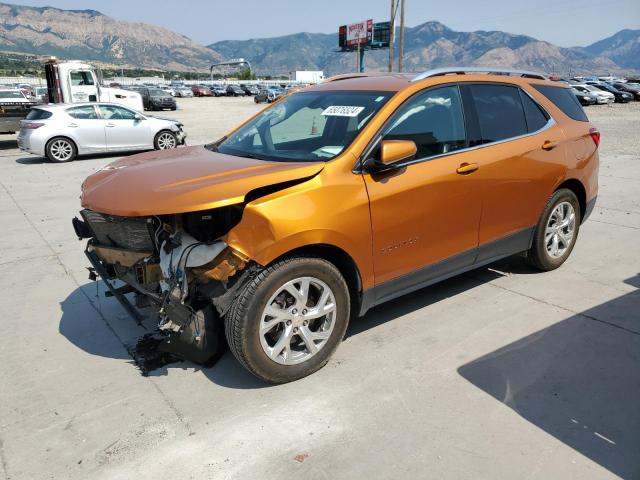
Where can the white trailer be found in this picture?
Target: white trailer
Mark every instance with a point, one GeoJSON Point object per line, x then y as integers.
{"type": "Point", "coordinates": [75, 82]}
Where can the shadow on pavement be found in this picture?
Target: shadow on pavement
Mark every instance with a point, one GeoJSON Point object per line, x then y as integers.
{"type": "Point", "coordinates": [36, 160]}
{"type": "Point", "coordinates": [101, 327]}
{"type": "Point", "coordinates": [8, 143]}
{"type": "Point", "coordinates": [578, 380]}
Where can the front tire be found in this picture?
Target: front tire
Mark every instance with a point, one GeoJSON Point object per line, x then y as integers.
{"type": "Point", "coordinates": [556, 232]}
{"type": "Point", "coordinates": [287, 322]}
{"type": "Point", "coordinates": [60, 150]}
{"type": "Point", "coordinates": [165, 140]}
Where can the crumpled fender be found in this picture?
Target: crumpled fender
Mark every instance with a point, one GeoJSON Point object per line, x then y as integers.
{"type": "Point", "coordinates": [321, 211]}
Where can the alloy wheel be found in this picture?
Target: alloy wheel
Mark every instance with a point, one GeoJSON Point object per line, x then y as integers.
{"type": "Point", "coordinates": [166, 141]}
{"type": "Point", "coordinates": [560, 229]}
{"type": "Point", "coordinates": [297, 321]}
{"type": "Point", "coordinates": [61, 150]}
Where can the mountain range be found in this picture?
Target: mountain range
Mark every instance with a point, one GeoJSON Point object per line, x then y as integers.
{"type": "Point", "coordinates": [91, 35]}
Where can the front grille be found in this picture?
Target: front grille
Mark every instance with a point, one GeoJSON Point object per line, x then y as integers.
{"type": "Point", "coordinates": [129, 233]}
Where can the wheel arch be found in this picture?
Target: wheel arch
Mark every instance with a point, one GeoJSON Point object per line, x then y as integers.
{"type": "Point", "coordinates": [578, 189]}
{"type": "Point", "coordinates": [341, 260]}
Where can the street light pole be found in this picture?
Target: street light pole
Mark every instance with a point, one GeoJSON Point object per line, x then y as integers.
{"type": "Point", "coordinates": [391, 33]}
{"type": "Point", "coordinates": [401, 45]}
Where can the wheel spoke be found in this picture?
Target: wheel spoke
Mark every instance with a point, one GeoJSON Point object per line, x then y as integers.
{"type": "Point", "coordinates": [283, 343]}
{"type": "Point", "coordinates": [305, 334]}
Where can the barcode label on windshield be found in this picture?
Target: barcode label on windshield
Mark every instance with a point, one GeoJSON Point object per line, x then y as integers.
{"type": "Point", "coordinates": [342, 111]}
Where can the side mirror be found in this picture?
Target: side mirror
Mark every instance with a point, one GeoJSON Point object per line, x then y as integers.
{"type": "Point", "coordinates": [392, 151]}
{"type": "Point", "coordinates": [137, 117]}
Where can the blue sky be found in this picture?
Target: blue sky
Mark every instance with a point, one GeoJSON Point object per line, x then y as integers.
{"type": "Point", "coordinates": [563, 22]}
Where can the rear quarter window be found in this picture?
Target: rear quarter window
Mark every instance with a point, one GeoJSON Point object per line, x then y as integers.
{"type": "Point", "coordinates": [38, 114]}
{"type": "Point", "coordinates": [565, 100]}
{"type": "Point", "coordinates": [535, 116]}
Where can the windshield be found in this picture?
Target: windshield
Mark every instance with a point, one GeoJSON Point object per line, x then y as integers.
{"type": "Point", "coordinates": [156, 92]}
{"type": "Point", "coordinates": [12, 94]}
{"type": "Point", "coordinates": [306, 127]}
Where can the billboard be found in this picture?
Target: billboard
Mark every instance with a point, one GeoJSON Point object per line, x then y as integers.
{"type": "Point", "coordinates": [359, 33]}
{"type": "Point", "coordinates": [367, 35]}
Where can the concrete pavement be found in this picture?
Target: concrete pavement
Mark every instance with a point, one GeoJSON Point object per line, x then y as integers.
{"type": "Point", "coordinates": [500, 373]}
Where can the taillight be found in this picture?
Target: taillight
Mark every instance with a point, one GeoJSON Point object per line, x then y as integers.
{"type": "Point", "coordinates": [595, 136]}
{"type": "Point", "coordinates": [32, 125]}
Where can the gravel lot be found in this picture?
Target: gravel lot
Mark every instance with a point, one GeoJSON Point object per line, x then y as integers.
{"type": "Point", "coordinates": [499, 373]}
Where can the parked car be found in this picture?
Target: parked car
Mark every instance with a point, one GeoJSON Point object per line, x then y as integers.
{"type": "Point", "coordinates": [14, 106]}
{"type": "Point", "coordinates": [585, 98]}
{"type": "Point", "coordinates": [633, 89]}
{"type": "Point", "coordinates": [235, 91]}
{"type": "Point", "coordinates": [604, 97]}
{"type": "Point", "coordinates": [620, 97]}
{"type": "Point", "coordinates": [201, 91]}
{"type": "Point", "coordinates": [170, 90]}
{"type": "Point", "coordinates": [219, 90]}
{"type": "Point", "coordinates": [268, 95]}
{"type": "Point", "coordinates": [183, 92]}
{"type": "Point", "coordinates": [249, 90]}
{"type": "Point", "coordinates": [156, 99]}
{"type": "Point", "coordinates": [61, 132]}
{"type": "Point", "coordinates": [285, 236]}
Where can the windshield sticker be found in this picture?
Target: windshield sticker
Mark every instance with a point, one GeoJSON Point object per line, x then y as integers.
{"type": "Point", "coordinates": [342, 111]}
{"type": "Point", "coordinates": [328, 151]}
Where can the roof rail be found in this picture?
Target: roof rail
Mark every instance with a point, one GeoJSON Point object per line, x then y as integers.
{"type": "Point", "coordinates": [490, 70]}
{"type": "Point", "coordinates": [344, 76]}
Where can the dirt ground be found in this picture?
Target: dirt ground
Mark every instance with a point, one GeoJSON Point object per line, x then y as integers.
{"type": "Point", "coordinates": [500, 373]}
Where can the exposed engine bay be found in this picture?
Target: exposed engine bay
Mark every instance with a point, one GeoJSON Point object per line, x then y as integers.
{"type": "Point", "coordinates": [178, 265]}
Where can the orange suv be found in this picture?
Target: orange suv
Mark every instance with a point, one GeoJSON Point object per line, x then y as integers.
{"type": "Point", "coordinates": [337, 198]}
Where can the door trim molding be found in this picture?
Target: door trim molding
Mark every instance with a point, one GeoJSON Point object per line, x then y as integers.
{"type": "Point", "coordinates": [489, 252]}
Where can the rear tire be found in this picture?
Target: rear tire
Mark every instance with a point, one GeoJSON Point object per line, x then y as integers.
{"type": "Point", "coordinates": [273, 332]}
{"type": "Point", "coordinates": [61, 150]}
{"type": "Point", "coordinates": [556, 232]}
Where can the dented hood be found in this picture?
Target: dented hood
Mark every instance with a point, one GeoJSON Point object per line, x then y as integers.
{"type": "Point", "coordinates": [183, 180]}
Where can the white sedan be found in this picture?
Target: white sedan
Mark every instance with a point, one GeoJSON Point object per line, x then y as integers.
{"type": "Point", "coordinates": [62, 132]}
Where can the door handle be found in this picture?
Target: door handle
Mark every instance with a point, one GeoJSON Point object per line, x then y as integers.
{"type": "Point", "coordinates": [549, 145]}
{"type": "Point", "coordinates": [73, 125]}
{"type": "Point", "coordinates": [110, 125]}
{"type": "Point", "coordinates": [467, 168]}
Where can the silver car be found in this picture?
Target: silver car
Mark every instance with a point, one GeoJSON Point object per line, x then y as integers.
{"type": "Point", "coordinates": [183, 92]}
{"type": "Point", "coordinates": [62, 132]}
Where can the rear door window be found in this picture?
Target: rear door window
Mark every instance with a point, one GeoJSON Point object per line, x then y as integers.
{"type": "Point", "coordinates": [565, 100]}
{"type": "Point", "coordinates": [433, 119]}
{"type": "Point", "coordinates": [87, 112]}
{"type": "Point", "coordinates": [112, 112]}
{"type": "Point", "coordinates": [500, 112]}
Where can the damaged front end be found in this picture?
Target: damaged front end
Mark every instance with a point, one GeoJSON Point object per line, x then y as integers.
{"type": "Point", "coordinates": [179, 265]}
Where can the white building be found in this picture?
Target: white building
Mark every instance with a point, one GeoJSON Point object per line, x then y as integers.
{"type": "Point", "coordinates": [307, 76]}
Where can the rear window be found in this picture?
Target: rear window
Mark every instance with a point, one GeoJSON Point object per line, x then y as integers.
{"type": "Point", "coordinates": [37, 114]}
{"type": "Point", "coordinates": [500, 112]}
{"type": "Point", "coordinates": [565, 100]}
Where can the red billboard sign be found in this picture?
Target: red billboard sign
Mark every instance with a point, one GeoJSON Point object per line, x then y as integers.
{"type": "Point", "coordinates": [360, 33]}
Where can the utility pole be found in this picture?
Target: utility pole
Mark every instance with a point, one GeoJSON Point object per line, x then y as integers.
{"type": "Point", "coordinates": [392, 19]}
{"type": "Point", "coordinates": [401, 45]}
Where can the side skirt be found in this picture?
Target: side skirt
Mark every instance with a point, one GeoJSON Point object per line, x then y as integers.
{"type": "Point", "coordinates": [489, 252]}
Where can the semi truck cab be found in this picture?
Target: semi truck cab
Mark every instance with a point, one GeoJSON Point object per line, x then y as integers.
{"type": "Point", "coordinates": [74, 82]}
